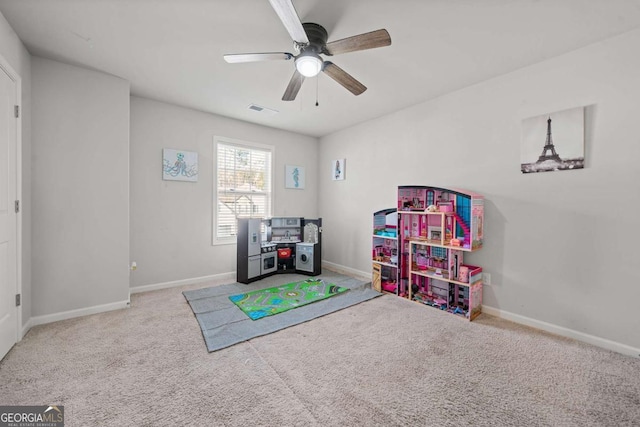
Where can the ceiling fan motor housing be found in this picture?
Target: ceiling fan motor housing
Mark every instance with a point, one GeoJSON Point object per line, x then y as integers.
{"type": "Point", "coordinates": [317, 36]}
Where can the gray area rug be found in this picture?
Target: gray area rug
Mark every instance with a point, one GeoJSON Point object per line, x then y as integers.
{"type": "Point", "coordinates": [223, 324]}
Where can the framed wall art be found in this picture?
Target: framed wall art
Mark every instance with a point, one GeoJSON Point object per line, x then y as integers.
{"type": "Point", "coordinates": [179, 165]}
{"type": "Point", "coordinates": [553, 142]}
{"type": "Point", "coordinates": [338, 169]}
{"type": "Point", "coordinates": [294, 177]}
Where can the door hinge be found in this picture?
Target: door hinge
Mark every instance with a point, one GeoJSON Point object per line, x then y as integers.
{"type": "Point", "coordinates": [17, 205]}
{"type": "Point", "coordinates": [17, 300]}
{"type": "Point", "coordinates": [16, 109]}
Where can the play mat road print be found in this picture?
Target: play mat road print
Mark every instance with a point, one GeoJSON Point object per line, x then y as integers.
{"type": "Point", "coordinates": [270, 301]}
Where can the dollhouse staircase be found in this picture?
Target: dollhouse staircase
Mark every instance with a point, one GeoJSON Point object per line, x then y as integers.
{"type": "Point", "coordinates": [463, 225]}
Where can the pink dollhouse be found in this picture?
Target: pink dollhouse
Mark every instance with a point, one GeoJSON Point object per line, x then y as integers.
{"type": "Point", "coordinates": [436, 228]}
{"type": "Point", "coordinates": [450, 214]}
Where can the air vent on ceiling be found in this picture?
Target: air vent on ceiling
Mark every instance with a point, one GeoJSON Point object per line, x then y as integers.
{"type": "Point", "coordinates": [263, 110]}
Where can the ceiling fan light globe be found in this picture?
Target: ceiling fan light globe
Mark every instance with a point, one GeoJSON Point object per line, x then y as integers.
{"type": "Point", "coordinates": [308, 65]}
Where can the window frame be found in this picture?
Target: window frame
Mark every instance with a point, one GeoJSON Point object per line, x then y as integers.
{"type": "Point", "coordinates": [217, 141]}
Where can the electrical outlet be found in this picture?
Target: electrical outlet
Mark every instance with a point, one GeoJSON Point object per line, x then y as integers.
{"type": "Point", "coordinates": [134, 266]}
{"type": "Point", "coordinates": [486, 278]}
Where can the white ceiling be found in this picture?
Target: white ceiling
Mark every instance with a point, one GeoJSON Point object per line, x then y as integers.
{"type": "Point", "coordinates": [172, 50]}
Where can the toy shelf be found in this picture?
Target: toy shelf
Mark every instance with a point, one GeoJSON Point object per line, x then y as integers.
{"type": "Point", "coordinates": [384, 278]}
{"type": "Point", "coordinates": [474, 301]}
{"type": "Point", "coordinates": [384, 254]}
{"type": "Point", "coordinates": [385, 264]}
{"type": "Point", "coordinates": [440, 244]}
{"type": "Point", "coordinates": [436, 277]}
{"type": "Point", "coordinates": [385, 237]}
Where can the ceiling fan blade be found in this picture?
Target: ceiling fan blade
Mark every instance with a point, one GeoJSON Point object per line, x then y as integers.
{"type": "Point", "coordinates": [344, 78]}
{"type": "Point", "coordinates": [256, 57]}
{"type": "Point", "coordinates": [378, 38]}
{"type": "Point", "coordinates": [294, 86]}
{"type": "Point", "coordinates": [289, 17]}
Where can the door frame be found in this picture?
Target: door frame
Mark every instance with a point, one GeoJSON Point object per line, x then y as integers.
{"type": "Point", "coordinates": [13, 75]}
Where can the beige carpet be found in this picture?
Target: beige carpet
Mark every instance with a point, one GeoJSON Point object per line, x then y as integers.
{"type": "Point", "coordinates": [383, 362]}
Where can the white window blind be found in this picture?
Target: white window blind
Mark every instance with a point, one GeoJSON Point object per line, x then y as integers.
{"type": "Point", "coordinates": [242, 186]}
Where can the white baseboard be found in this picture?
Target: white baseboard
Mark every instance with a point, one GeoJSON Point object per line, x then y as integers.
{"type": "Point", "coordinates": [154, 287]}
{"type": "Point", "coordinates": [224, 277]}
{"type": "Point", "coordinates": [362, 275]}
{"type": "Point", "coordinates": [25, 329]}
{"type": "Point", "coordinates": [523, 320]}
{"type": "Point", "coordinates": [564, 332]}
{"type": "Point", "coordinates": [64, 315]}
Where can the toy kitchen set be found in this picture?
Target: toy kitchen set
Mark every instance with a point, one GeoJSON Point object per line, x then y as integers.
{"type": "Point", "coordinates": [278, 245]}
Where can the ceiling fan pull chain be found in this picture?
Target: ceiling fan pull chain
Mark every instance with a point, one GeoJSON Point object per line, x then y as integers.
{"type": "Point", "coordinates": [317, 78]}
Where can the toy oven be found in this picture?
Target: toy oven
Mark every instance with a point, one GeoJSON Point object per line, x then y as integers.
{"type": "Point", "coordinates": [269, 263]}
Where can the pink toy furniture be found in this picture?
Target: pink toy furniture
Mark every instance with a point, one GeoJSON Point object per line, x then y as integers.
{"type": "Point", "coordinates": [443, 225]}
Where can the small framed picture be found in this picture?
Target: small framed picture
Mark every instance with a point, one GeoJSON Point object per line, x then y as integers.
{"type": "Point", "coordinates": [294, 177]}
{"type": "Point", "coordinates": [179, 165]}
{"type": "Point", "coordinates": [338, 169]}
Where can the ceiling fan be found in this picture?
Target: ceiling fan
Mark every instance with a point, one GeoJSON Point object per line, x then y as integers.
{"type": "Point", "coordinates": [309, 41]}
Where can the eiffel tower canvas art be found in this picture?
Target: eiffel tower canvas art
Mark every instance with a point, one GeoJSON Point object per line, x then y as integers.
{"type": "Point", "coordinates": [561, 137]}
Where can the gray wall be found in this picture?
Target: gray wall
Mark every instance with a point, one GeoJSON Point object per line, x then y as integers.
{"type": "Point", "coordinates": [561, 246]}
{"type": "Point", "coordinates": [14, 52]}
{"type": "Point", "coordinates": [171, 221]}
{"type": "Point", "coordinates": [80, 181]}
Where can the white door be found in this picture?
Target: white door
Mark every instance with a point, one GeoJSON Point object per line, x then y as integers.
{"type": "Point", "coordinates": [8, 217]}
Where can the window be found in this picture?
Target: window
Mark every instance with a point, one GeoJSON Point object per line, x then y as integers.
{"type": "Point", "coordinates": [242, 185]}
{"type": "Point", "coordinates": [430, 197]}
